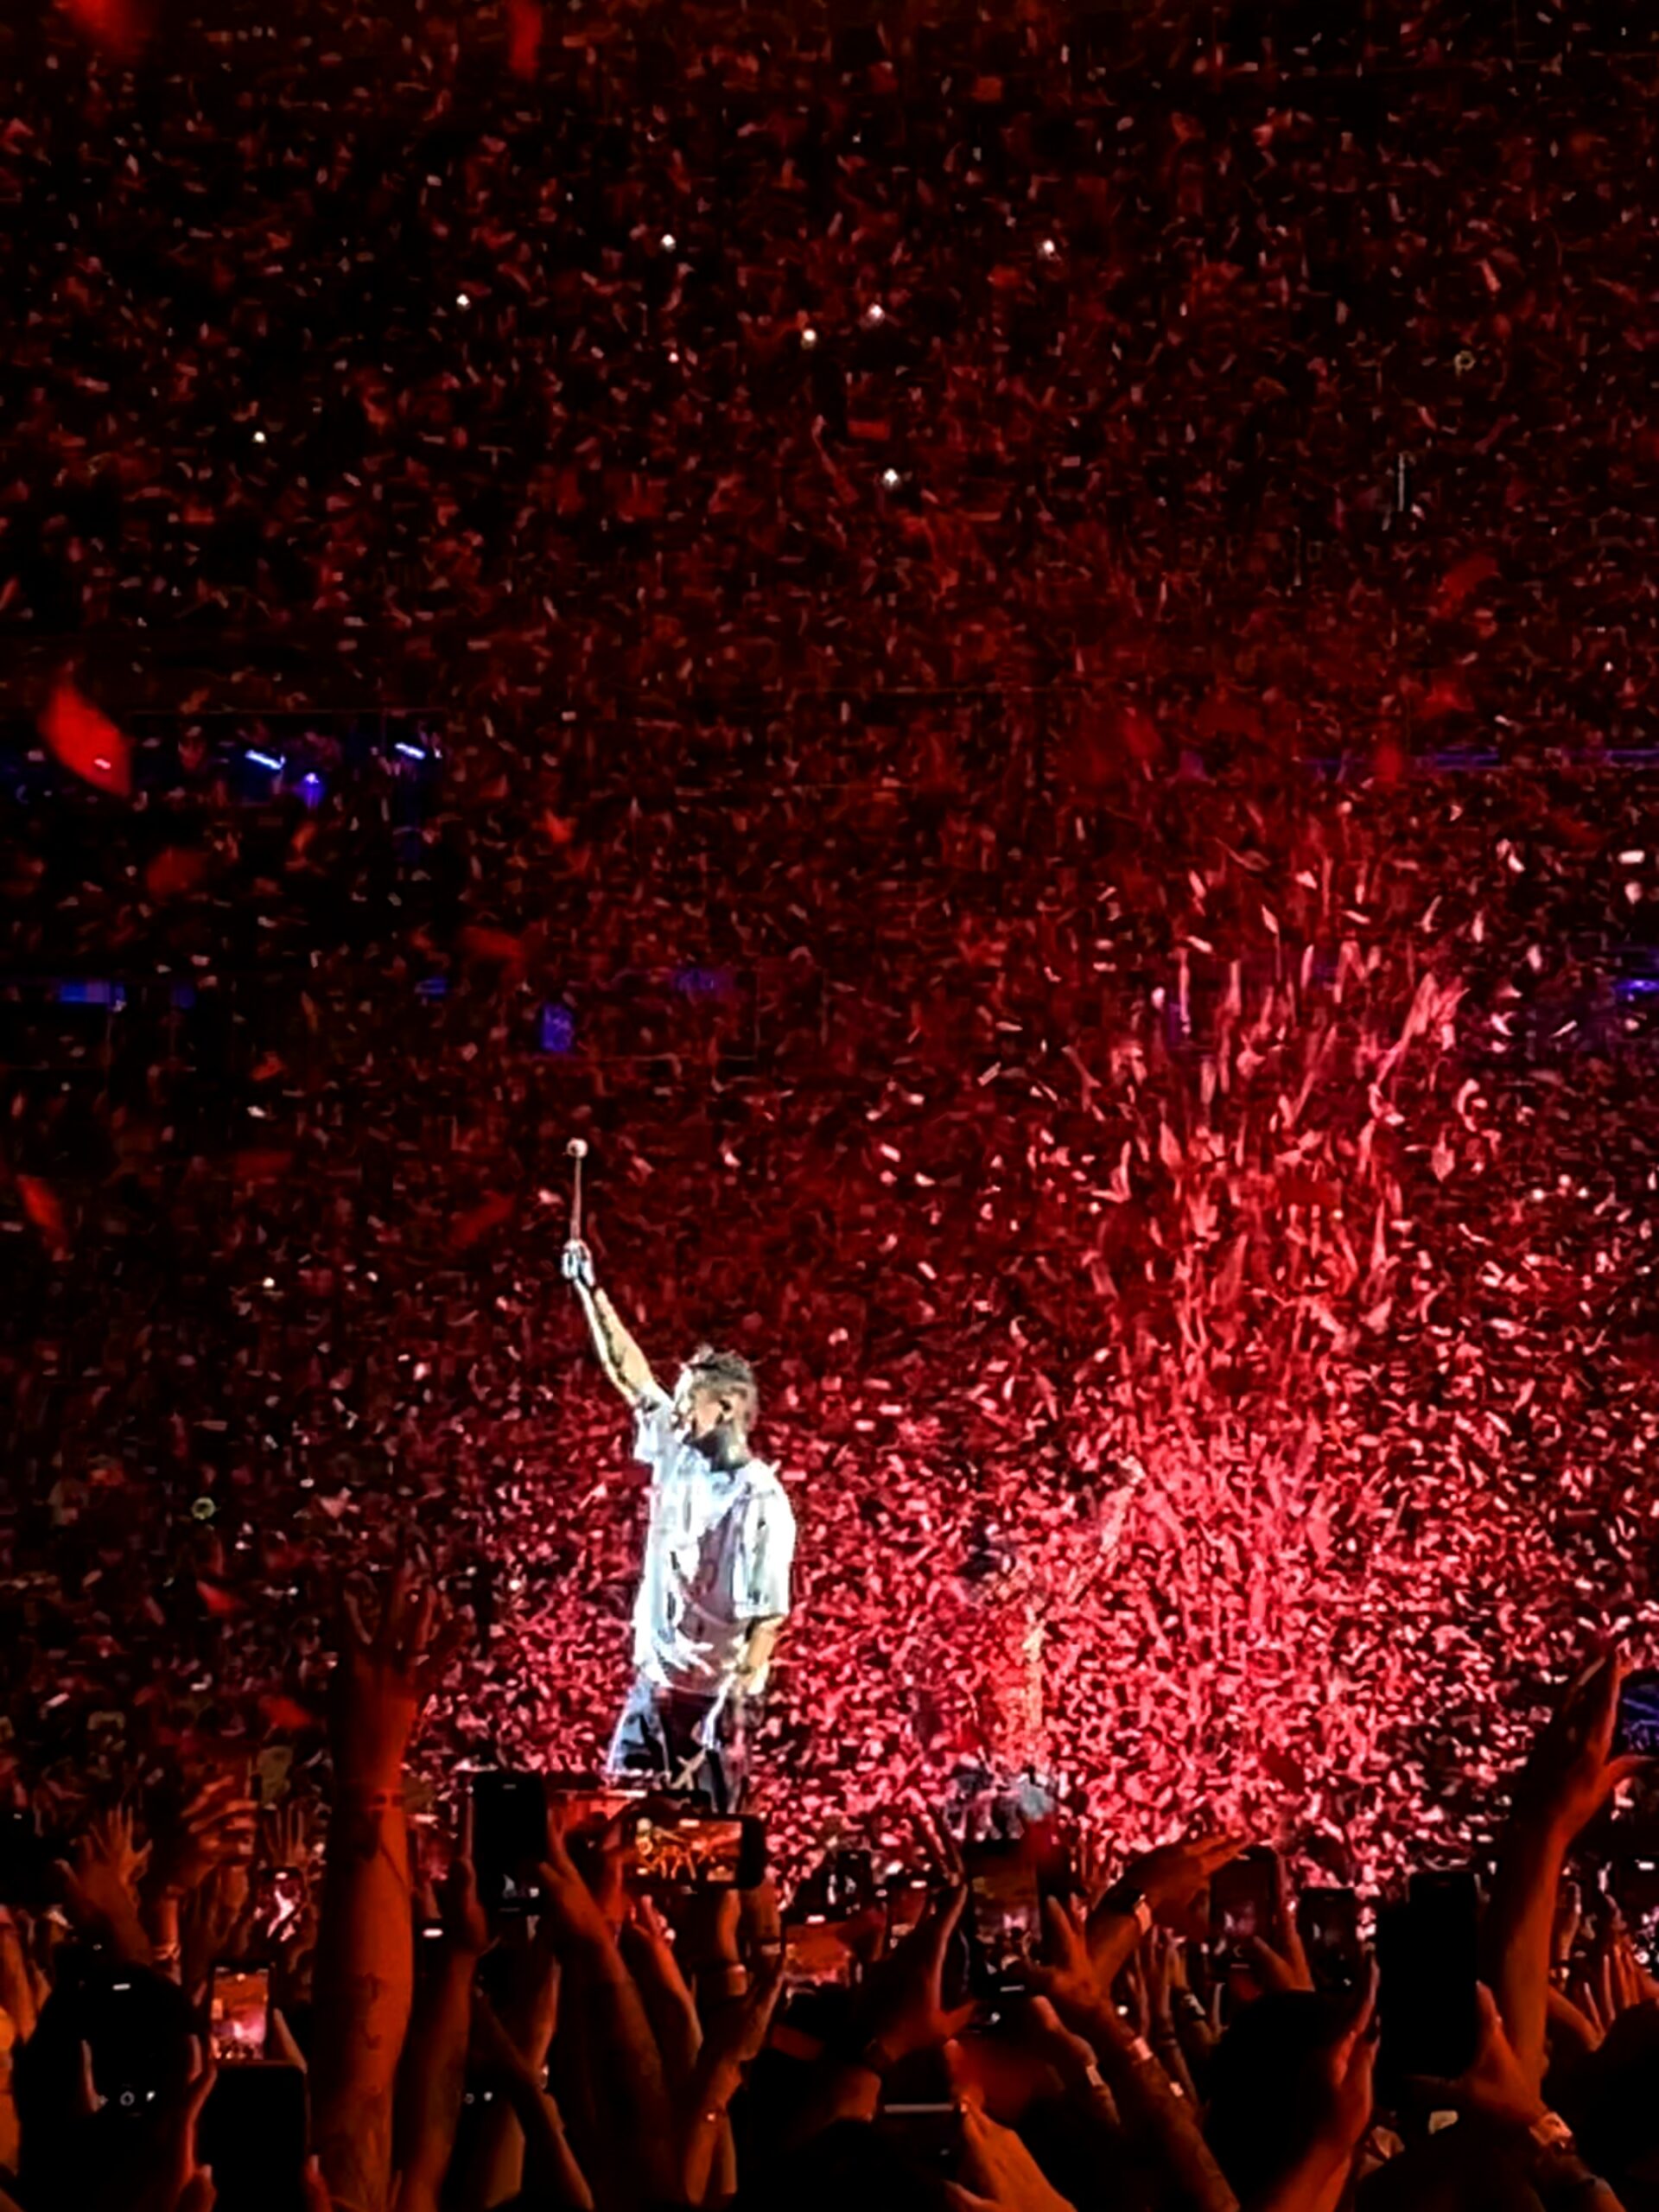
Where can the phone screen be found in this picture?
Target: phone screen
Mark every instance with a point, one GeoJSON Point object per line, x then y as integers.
{"type": "Point", "coordinates": [1242, 1898]}
{"type": "Point", "coordinates": [906, 1902]}
{"type": "Point", "coordinates": [509, 1840]}
{"type": "Point", "coordinates": [125, 2035]}
{"type": "Point", "coordinates": [237, 2017]}
{"type": "Point", "coordinates": [899, 1859]}
{"type": "Point", "coordinates": [851, 1880]}
{"type": "Point", "coordinates": [1328, 1921]}
{"type": "Point", "coordinates": [1637, 1728]}
{"type": "Point", "coordinates": [671, 1850]}
{"type": "Point", "coordinates": [816, 1956]}
{"type": "Point", "coordinates": [1635, 1884]}
{"type": "Point", "coordinates": [1005, 1907]}
{"type": "Point", "coordinates": [1427, 1952]}
{"type": "Point", "coordinates": [278, 1896]}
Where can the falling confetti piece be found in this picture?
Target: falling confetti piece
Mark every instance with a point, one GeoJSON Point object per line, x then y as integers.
{"type": "Point", "coordinates": [471, 1227]}
{"type": "Point", "coordinates": [117, 24]}
{"type": "Point", "coordinates": [42, 1206]}
{"type": "Point", "coordinates": [88, 742]}
{"type": "Point", "coordinates": [174, 872]}
{"type": "Point", "coordinates": [525, 32]}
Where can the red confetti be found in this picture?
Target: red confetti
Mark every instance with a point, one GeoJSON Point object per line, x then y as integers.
{"type": "Point", "coordinates": [287, 1713]}
{"type": "Point", "coordinates": [470, 1228]}
{"type": "Point", "coordinates": [224, 1604]}
{"type": "Point", "coordinates": [1120, 1082]}
{"type": "Point", "coordinates": [261, 1164]}
{"type": "Point", "coordinates": [113, 24]}
{"type": "Point", "coordinates": [1459, 582]}
{"type": "Point", "coordinates": [1389, 761]}
{"type": "Point", "coordinates": [86, 742]}
{"type": "Point", "coordinates": [174, 872]}
{"type": "Point", "coordinates": [524, 29]}
{"type": "Point", "coordinates": [493, 948]}
{"type": "Point", "coordinates": [42, 1208]}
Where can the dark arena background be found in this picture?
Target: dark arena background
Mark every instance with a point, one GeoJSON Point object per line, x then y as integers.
{"type": "Point", "coordinates": [1012, 657]}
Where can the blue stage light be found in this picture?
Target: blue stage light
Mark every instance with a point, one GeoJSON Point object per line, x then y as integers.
{"type": "Point", "coordinates": [82, 993]}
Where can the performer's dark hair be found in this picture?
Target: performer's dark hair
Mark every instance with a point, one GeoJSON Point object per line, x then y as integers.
{"type": "Point", "coordinates": [728, 1373]}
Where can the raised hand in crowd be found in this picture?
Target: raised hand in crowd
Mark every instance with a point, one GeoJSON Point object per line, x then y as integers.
{"type": "Point", "coordinates": [216, 1826]}
{"type": "Point", "coordinates": [102, 1879]}
{"type": "Point", "coordinates": [616, 2046]}
{"type": "Point", "coordinates": [364, 1975]}
{"type": "Point", "coordinates": [1571, 1774]}
{"type": "Point", "coordinates": [997, 2170]}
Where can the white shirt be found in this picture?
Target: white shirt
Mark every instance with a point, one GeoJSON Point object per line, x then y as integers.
{"type": "Point", "coordinates": [717, 1558]}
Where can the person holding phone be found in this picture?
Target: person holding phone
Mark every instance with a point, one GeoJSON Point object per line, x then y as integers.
{"type": "Point", "coordinates": [714, 1591]}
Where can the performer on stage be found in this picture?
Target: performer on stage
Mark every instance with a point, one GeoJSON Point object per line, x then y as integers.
{"type": "Point", "coordinates": [714, 1589]}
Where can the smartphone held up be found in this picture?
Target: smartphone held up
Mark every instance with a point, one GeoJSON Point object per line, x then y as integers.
{"type": "Point", "coordinates": [1005, 1915]}
{"type": "Point", "coordinates": [1329, 1922]}
{"type": "Point", "coordinates": [509, 1840]}
{"type": "Point", "coordinates": [662, 1843]}
{"type": "Point", "coordinates": [238, 2014]}
{"type": "Point", "coordinates": [667, 1848]}
{"type": "Point", "coordinates": [1427, 1956]}
{"type": "Point", "coordinates": [1244, 1905]}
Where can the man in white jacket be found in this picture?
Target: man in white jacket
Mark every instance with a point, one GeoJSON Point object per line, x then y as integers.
{"type": "Point", "coordinates": [714, 1591]}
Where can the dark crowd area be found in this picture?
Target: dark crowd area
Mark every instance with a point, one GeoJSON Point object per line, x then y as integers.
{"type": "Point", "coordinates": [594, 2006]}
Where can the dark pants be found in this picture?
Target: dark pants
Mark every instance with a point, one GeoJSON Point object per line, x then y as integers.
{"type": "Point", "coordinates": [658, 1739]}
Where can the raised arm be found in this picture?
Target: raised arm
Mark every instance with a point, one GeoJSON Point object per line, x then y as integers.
{"type": "Point", "coordinates": [635, 2149]}
{"type": "Point", "coordinates": [1143, 2091]}
{"type": "Point", "coordinates": [624, 1364]}
{"type": "Point", "coordinates": [364, 1960]}
{"type": "Point", "coordinates": [435, 2062]}
{"type": "Point", "coordinates": [1571, 1773]}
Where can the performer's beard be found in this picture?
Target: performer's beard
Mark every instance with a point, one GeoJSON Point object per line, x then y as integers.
{"type": "Point", "coordinates": [720, 1448]}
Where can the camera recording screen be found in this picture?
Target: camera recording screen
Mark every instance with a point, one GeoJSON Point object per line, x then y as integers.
{"type": "Point", "coordinates": [816, 1953]}
{"type": "Point", "coordinates": [279, 1899]}
{"type": "Point", "coordinates": [1332, 1936]}
{"type": "Point", "coordinates": [685, 1853]}
{"type": "Point", "coordinates": [238, 2017]}
{"type": "Point", "coordinates": [1005, 1907]}
{"type": "Point", "coordinates": [1241, 1902]}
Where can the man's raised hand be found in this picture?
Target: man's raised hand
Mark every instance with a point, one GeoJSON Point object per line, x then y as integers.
{"type": "Point", "coordinates": [576, 1265]}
